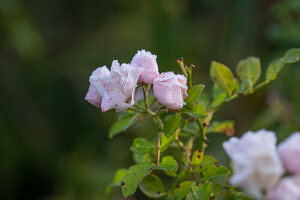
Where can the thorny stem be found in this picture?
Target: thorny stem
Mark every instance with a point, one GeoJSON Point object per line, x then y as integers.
{"type": "Point", "coordinates": [158, 148]}
{"type": "Point", "coordinates": [202, 134]}
{"type": "Point", "coordinates": [194, 175]}
{"type": "Point", "coordinates": [187, 153]}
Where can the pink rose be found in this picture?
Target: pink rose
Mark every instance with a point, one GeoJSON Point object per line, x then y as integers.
{"type": "Point", "coordinates": [287, 189]}
{"type": "Point", "coordinates": [97, 85]}
{"type": "Point", "coordinates": [145, 60]}
{"type": "Point", "coordinates": [289, 151]}
{"type": "Point", "coordinates": [256, 164]}
{"type": "Point", "coordinates": [120, 87]}
{"type": "Point", "coordinates": [170, 90]}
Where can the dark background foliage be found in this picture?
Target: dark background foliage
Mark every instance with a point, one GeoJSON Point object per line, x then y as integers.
{"type": "Point", "coordinates": [54, 145]}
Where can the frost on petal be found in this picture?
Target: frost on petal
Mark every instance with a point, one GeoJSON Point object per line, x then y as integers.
{"type": "Point", "coordinates": [255, 161]}
{"type": "Point", "coordinates": [147, 62]}
{"type": "Point", "coordinates": [97, 85]}
{"type": "Point", "coordinates": [120, 87]}
{"type": "Point", "coordinates": [93, 97]}
{"type": "Point", "coordinates": [170, 90]}
{"type": "Point", "coordinates": [287, 189]}
{"type": "Point", "coordinates": [289, 151]}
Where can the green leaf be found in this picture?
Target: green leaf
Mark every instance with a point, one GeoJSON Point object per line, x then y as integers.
{"type": "Point", "coordinates": [245, 87]}
{"type": "Point", "coordinates": [291, 56]}
{"type": "Point", "coordinates": [165, 142]}
{"type": "Point", "coordinates": [189, 196]}
{"type": "Point", "coordinates": [135, 175]}
{"type": "Point", "coordinates": [141, 167]}
{"type": "Point", "coordinates": [194, 93]}
{"type": "Point", "coordinates": [181, 190]}
{"type": "Point", "coordinates": [119, 175]}
{"type": "Point", "coordinates": [141, 145]}
{"type": "Point", "coordinates": [219, 100]}
{"type": "Point", "coordinates": [130, 182]}
{"type": "Point", "coordinates": [210, 168]}
{"type": "Point", "coordinates": [183, 174]}
{"type": "Point", "coordinates": [202, 191]}
{"type": "Point", "coordinates": [197, 157]}
{"type": "Point", "coordinates": [222, 76]}
{"type": "Point", "coordinates": [152, 186]}
{"type": "Point", "coordinates": [226, 127]}
{"type": "Point", "coordinates": [216, 91]}
{"type": "Point", "coordinates": [235, 195]}
{"type": "Point", "coordinates": [216, 170]}
{"type": "Point", "coordinates": [171, 173]}
{"type": "Point", "coordinates": [191, 128]}
{"type": "Point", "coordinates": [197, 111]}
{"type": "Point", "coordinates": [219, 96]}
{"type": "Point", "coordinates": [121, 125]}
{"type": "Point", "coordinates": [141, 158]}
{"type": "Point", "coordinates": [203, 98]}
{"type": "Point", "coordinates": [216, 189]}
{"type": "Point", "coordinates": [172, 124]}
{"type": "Point", "coordinates": [249, 69]}
{"type": "Point", "coordinates": [167, 163]}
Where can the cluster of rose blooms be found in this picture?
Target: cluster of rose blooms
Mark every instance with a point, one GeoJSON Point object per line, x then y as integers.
{"type": "Point", "coordinates": [116, 88]}
{"type": "Point", "coordinates": [259, 166]}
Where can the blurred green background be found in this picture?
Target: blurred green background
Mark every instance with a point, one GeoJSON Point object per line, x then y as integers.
{"type": "Point", "coordinates": [54, 145]}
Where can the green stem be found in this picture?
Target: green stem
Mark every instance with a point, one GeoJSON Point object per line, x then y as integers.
{"type": "Point", "coordinates": [181, 65]}
{"type": "Point", "coordinates": [160, 123]}
{"type": "Point", "coordinates": [202, 132]}
{"type": "Point", "coordinates": [146, 94]}
{"type": "Point", "coordinates": [134, 110]}
{"type": "Point", "coordinates": [261, 84]}
{"type": "Point", "coordinates": [158, 148]}
{"type": "Point", "coordinates": [189, 77]}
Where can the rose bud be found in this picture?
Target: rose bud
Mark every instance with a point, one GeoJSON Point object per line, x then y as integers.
{"type": "Point", "coordinates": [170, 90]}
{"type": "Point", "coordinates": [120, 87]}
{"type": "Point", "coordinates": [145, 60]}
{"type": "Point", "coordinates": [97, 85]}
{"type": "Point", "coordinates": [256, 164]}
{"type": "Point", "coordinates": [287, 189]}
{"type": "Point", "coordinates": [289, 151]}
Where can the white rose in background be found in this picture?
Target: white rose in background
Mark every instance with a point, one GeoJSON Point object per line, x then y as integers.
{"type": "Point", "coordinates": [287, 189]}
{"type": "Point", "coordinates": [147, 62]}
{"type": "Point", "coordinates": [120, 87]}
{"type": "Point", "coordinates": [289, 151]}
{"type": "Point", "coordinates": [97, 85]}
{"type": "Point", "coordinates": [256, 163]}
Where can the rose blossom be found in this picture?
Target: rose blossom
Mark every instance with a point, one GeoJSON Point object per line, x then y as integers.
{"type": "Point", "coordinates": [145, 60]}
{"type": "Point", "coordinates": [170, 90]}
{"type": "Point", "coordinates": [120, 87]}
{"type": "Point", "coordinates": [97, 85]}
{"type": "Point", "coordinates": [289, 151]}
{"type": "Point", "coordinates": [287, 189]}
{"type": "Point", "coordinates": [256, 164]}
